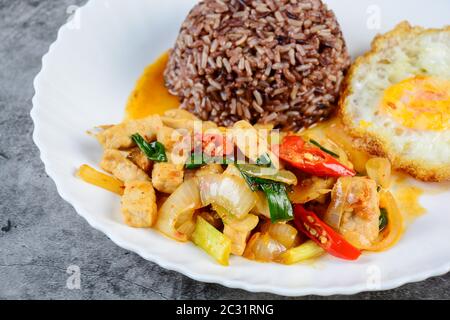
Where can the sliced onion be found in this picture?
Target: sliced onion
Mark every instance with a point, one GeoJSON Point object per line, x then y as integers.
{"type": "Point", "coordinates": [247, 139]}
{"type": "Point", "coordinates": [252, 142]}
{"type": "Point", "coordinates": [178, 209]}
{"type": "Point", "coordinates": [232, 170]}
{"type": "Point", "coordinates": [320, 137]}
{"type": "Point", "coordinates": [212, 168]}
{"type": "Point", "coordinates": [183, 220]}
{"type": "Point", "coordinates": [187, 228]}
{"type": "Point", "coordinates": [311, 189]}
{"type": "Point", "coordinates": [262, 205]}
{"type": "Point", "coordinates": [283, 233]}
{"type": "Point", "coordinates": [335, 131]}
{"type": "Point", "coordinates": [379, 169]}
{"type": "Point", "coordinates": [261, 247]}
{"type": "Point", "coordinates": [229, 192]}
{"type": "Point", "coordinates": [246, 223]}
{"type": "Point", "coordinates": [395, 228]}
{"type": "Point", "coordinates": [338, 203]}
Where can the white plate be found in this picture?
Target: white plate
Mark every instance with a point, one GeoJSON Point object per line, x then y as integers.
{"type": "Point", "coordinates": [85, 81]}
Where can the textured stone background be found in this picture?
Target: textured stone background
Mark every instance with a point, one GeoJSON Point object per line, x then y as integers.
{"type": "Point", "coordinates": [46, 234]}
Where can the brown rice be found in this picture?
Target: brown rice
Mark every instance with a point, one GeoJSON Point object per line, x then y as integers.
{"type": "Point", "coordinates": [278, 61]}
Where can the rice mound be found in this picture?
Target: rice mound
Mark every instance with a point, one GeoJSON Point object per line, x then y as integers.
{"type": "Point", "coordinates": [269, 61]}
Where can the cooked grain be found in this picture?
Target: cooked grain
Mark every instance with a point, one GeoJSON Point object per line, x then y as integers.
{"type": "Point", "coordinates": [280, 61]}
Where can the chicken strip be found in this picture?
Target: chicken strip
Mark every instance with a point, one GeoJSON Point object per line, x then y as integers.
{"type": "Point", "coordinates": [170, 138]}
{"type": "Point", "coordinates": [119, 136]}
{"type": "Point", "coordinates": [141, 160]}
{"type": "Point", "coordinates": [116, 163]}
{"type": "Point", "coordinates": [167, 177]}
{"type": "Point", "coordinates": [354, 210]}
{"type": "Point", "coordinates": [139, 204]}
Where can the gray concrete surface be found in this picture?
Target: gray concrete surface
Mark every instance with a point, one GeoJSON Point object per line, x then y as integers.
{"type": "Point", "coordinates": [46, 235]}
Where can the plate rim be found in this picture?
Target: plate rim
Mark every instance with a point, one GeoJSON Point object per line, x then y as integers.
{"type": "Point", "coordinates": [165, 263]}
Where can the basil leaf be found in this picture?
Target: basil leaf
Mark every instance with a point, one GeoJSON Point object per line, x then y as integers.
{"type": "Point", "coordinates": [279, 204]}
{"type": "Point", "coordinates": [383, 219]}
{"type": "Point", "coordinates": [155, 151]}
{"type": "Point", "coordinates": [331, 153]}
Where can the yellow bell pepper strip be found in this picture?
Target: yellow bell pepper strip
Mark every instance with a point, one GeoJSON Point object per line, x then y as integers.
{"type": "Point", "coordinates": [99, 179]}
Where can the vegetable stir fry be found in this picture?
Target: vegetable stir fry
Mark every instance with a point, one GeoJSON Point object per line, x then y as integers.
{"type": "Point", "coordinates": [249, 191]}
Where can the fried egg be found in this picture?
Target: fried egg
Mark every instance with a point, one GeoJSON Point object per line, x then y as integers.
{"type": "Point", "coordinates": [397, 100]}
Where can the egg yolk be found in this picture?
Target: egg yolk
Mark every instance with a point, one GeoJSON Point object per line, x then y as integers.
{"type": "Point", "coordinates": [421, 103]}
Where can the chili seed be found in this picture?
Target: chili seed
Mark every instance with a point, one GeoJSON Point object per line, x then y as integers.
{"type": "Point", "coordinates": [309, 156]}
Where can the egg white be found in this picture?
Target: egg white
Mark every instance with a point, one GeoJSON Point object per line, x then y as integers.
{"type": "Point", "coordinates": [400, 54]}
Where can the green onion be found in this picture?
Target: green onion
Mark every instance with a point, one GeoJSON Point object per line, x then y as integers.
{"type": "Point", "coordinates": [155, 151]}
{"type": "Point", "coordinates": [331, 153]}
{"type": "Point", "coordinates": [276, 193]}
{"type": "Point", "coordinates": [253, 182]}
{"type": "Point", "coordinates": [279, 204]}
{"type": "Point", "coordinates": [383, 219]}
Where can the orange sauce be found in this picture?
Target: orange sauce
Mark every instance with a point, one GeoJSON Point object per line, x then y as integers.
{"type": "Point", "coordinates": [151, 95]}
{"type": "Point", "coordinates": [408, 201]}
{"type": "Point", "coordinates": [408, 194]}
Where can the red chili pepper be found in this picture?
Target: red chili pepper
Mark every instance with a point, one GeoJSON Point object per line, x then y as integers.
{"type": "Point", "coordinates": [214, 145]}
{"type": "Point", "coordinates": [310, 159]}
{"type": "Point", "coordinates": [321, 233]}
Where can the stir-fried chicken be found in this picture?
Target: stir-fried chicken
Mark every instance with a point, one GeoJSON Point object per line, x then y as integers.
{"type": "Point", "coordinates": [354, 210]}
{"type": "Point", "coordinates": [139, 204]}
{"type": "Point", "coordinates": [116, 163]}
{"type": "Point", "coordinates": [119, 136]}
